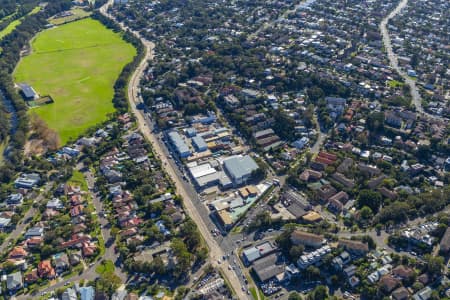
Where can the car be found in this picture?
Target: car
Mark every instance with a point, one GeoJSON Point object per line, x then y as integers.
{"type": "Point", "coordinates": [66, 283]}
{"type": "Point", "coordinates": [243, 289]}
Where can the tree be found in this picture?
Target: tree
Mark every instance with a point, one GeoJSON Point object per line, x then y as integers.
{"type": "Point", "coordinates": [320, 292]}
{"type": "Point", "coordinates": [296, 251]}
{"type": "Point", "coordinates": [369, 198]}
{"type": "Point", "coordinates": [366, 213]}
{"type": "Point", "coordinates": [375, 121]}
{"type": "Point", "coordinates": [108, 283]}
{"type": "Point", "coordinates": [435, 265]}
{"type": "Point", "coordinates": [294, 296]}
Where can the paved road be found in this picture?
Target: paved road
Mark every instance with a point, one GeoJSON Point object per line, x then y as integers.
{"type": "Point", "coordinates": [28, 215]}
{"type": "Point", "coordinates": [105, 228]}
{"type": "Point", "coordinates": [393, 61]}
{"type": "Point", "coordinates": [89, 273]}
{"type": "Point", "coordinates": [215, 251]}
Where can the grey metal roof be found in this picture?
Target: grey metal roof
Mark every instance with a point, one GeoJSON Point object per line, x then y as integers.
{"type": "Point", "coordinates": [199, 143]}
{"type": "Point", "coordinates": [178, 142]}
{"type": "Point", "coordinates": [27, 90]}
{"type": "Point", "coordinates": [240, 166]}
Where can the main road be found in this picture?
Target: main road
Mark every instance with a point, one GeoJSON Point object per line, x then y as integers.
{"type": "Point", "coordinates": [215, 252]}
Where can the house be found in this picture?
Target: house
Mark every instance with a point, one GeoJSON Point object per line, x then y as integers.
{"type": "Point", "coordinates": [34, 232]}
{"type": "Point", "coordinates": [402, 272]}
{"type": "Point", "coordinates": [55, 203]}
{"type": "Point", "coordinates": [31, 277]}
{"type": "Point", "coordinates": [87, 293]}
{"type": "Point", "coordinates": [336, 202]}
{"type": "Point", "coordinates": [17, 253]}
{"type": "Point", "coordinates": [325, 191]}
{"type": "Point", "coordinates": [27, 181]}
{"type": "Point", "coordinates": [301, 143]}
{"type": "Point", "coordinates": [69, 294]}
{"type": "Point", "coordinates": [335, 105]}
{"type": "Point", "coordinates": [299, 237]}
{"type": "Point", "coordinates": [4, 224]}
{"type": "Point", "coordinates": [75, 258]}
{"type": "Point", "coordinates": [400, 294]}
{"type": "Point", "coordinates": [423, 294]}
{"type": "Point", "coordinates": [231, 101]}
{"type": "Point", "coordinates": [61, 262]}
{"type": "Point", "coordinates": [388, 283]}
{"type": "Point", "coordinates": [14, 199]}
{"type": "Point", "coordinates": [34, 242]}
{"type": "Point", "coordinates": [162, 228]}
{"type": "Point", "coordinates": [45, 269]}
{"type": "Point", "coordinates": [353, 281]}
{"type": "Point", "coordinates": [14, 282]}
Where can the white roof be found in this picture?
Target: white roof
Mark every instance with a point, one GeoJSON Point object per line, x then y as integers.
{"type": "Point", "coordinates": [202, 170]}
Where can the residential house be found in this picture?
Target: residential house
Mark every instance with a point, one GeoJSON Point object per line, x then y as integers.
{"type": "Point", "coordinates": [61, 262]}
{"type": "Point", "coordinates": [14, 282]}
{"type": "Point", "coordinates": [34, 232]}
{"type": "Point", "coordinates": [45, 269]}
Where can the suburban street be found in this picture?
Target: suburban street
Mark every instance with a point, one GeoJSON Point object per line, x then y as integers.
{"type": "Point", "coordinates": [393, 60]}
{"type": "Point", "coordinates": [20, 228]}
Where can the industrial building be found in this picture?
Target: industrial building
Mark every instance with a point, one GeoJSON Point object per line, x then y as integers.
{"type": "Point", "coordinates": [199, 144]}
{"type": "Point", "coordinates": [179, 144]}
{"type": "Point", "coordinates": [206, 175]}
{"type": "Point", "coordinates": [240, 168]}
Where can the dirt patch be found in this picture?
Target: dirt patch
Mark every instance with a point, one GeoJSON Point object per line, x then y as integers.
{"type": "Point", "coordinates": [34, 147]}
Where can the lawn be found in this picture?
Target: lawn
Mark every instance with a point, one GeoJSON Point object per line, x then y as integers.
{"type": "Point", "coordinates": [105, 267]}
{"type": "Point", "coordinates": [11, 26]}
{"type": "Point", "coordinates": [78, 179]}
{"type": "Point", "coordinates": [77, 65]}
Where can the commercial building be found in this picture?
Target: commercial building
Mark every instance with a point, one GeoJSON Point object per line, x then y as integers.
{"type": "Point", "coordinates": [252, 254]}
{"type": "Point", "coordinates": [268, 267]}
{"type": "Point", "coordinates": [179, 144]}
{"type": "Point", "coordinates": [240, 168]}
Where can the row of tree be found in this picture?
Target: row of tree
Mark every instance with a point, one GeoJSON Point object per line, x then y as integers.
{"type": "Point", "coordinates": [11, 46]}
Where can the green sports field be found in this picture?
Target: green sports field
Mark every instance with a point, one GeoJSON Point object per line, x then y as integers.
{"type": "Point", "coordinates": [76, 64]}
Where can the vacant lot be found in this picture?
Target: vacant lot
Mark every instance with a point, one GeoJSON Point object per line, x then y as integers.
{"type": "Point", "coordinates": [77, 13]}
{"type": "Point", "coordinates": [76, 64]}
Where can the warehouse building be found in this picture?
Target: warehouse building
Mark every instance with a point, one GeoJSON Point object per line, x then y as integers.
{"type": "Point", "coordinates": [240, 168]}
{"type": "Point", "coordinates": [179, 144]}
{"type": "Point", "coordinates": [199, 144]}
{"type": "Point", "coordinates": [205, 175]}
